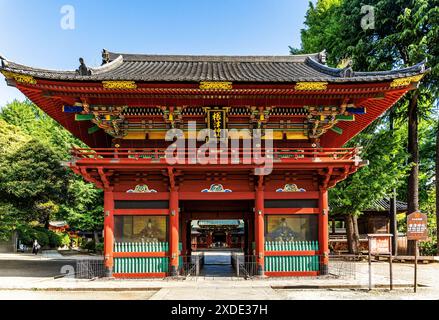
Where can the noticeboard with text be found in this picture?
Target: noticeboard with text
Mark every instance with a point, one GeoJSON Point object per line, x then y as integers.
{"type": "Point", "coordinates": [417, 228]}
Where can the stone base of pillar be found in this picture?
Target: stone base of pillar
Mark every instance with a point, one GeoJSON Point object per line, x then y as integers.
{"type": "Point", "coordinates": [260, 271]}
{"type": "Point", "coordinates": [174, 271]}
{"type": "Point", "coordinates": [324, 270]}
{"type": "Point", "coordinates": [108, 272]}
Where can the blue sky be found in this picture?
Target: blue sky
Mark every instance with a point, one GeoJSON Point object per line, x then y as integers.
{"type": "Point", "coordinates": [31, 32]}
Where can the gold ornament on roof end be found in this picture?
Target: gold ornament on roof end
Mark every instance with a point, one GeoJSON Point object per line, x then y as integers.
{"type": "Point", "coordinates": [405, 81]}
{"type": "Point", "coordinates": [19, 77]}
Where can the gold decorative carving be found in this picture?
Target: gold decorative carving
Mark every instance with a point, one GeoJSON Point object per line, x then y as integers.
{"type": "Point", "coordinates": [119, 85]}
{"type": "Point", "coordinates": [19, 77]}
{"type": "Point", "coordinates": [290, 187]}
{"type": "Point", "coordinates": [311, 86]}
{"type": "Point", "coordinates": [142, 188]}
{"type": "Point", "coordinates": [215, 85]}
{"type": "Point", "coordinates": [402, 82]}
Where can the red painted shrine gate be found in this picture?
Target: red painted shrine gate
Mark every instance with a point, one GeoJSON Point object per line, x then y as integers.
{"type": "Point", "coordinates": [123, 109]}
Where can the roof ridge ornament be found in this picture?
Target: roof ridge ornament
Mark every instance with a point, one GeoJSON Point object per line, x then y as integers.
{"type": "Point", "coordinates": [323, 57]}
{"type": "Point", "coordinates": [347, 71]}
{"type": "Point", "coordinates": [422, 64]}
{"type": "Point", "coordinates": [83, 70]}
{"type": "Point", "coordinates": [3, 61]}
{"type": "Point", "coordinates": [105, 56]}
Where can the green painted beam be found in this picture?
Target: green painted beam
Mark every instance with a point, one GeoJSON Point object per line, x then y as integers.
{"type": "Point", "coordinates": [93, 129]}
{"type": "Point", "coordinates": [337, 130]}
{"type": "Point", "coordinates": [342, 117]}
{"type": "Point", "coordinates": [84, 117]}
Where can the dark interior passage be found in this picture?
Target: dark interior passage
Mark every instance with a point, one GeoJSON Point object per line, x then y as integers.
{"type": "Point", "coordinates": [217, 229]}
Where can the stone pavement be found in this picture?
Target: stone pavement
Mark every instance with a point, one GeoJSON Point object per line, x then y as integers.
{"type": "Point", "coordinates": [218, 287]}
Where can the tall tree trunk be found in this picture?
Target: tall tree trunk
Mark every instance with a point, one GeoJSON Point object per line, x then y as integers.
{"type": "Point", "coordinates": [437, 188]}
{"type": "Point", "coordinates": [352, 234]}
{"type": "Point", "coordinates": [96, 236]}
{"type": "Point", "coordinates": [392, 202]}
{"type": "Point", "coordinates": [47, 221]}
{"type": "Point", "coordinates": [413, 150]}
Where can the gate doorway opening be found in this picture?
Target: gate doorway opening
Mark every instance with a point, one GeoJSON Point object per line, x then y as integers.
{"type": "Point", "coordinates": [217, 231]}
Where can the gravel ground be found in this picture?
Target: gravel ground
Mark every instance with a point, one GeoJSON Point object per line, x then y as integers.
{"type": "Point", "coordinates": [29, 272]}
{"type": "Point", "coordinates": [346, 294]}
{"type": "Point", "coordinates": [75, 295]}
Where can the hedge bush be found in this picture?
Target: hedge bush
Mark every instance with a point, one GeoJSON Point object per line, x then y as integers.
{"type": "Point", "coordinates": [428, 248]}
{"type": "Point", "coordinates": [45, 237]}
{"type": "Point", "coordinates": [89, 245]}
{"type": "Point", "coordinates": [99, 247]}
{"type": "Point", "coordinates": [65, 239]}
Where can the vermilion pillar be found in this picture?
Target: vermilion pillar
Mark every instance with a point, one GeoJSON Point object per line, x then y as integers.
{"type": "Point", "coordinates": [108, 232]}
{"type": "Point", "coordinates": [184, 236]}
{"type": "Point", "coordinates": [323, 232]}
{"type": "Point", "coordinates": [173, 232]}
{"type": "Point", "coordinates": [259, 231]}
{"type": "Point", "coordinates": [251, 234]}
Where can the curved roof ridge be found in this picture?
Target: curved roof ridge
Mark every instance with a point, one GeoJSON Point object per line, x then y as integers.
{"type": "Point", "coordinates": [212, 58]}
{"type": "Point", "coordinates": [338, 72]}
{"type": "Point", "coordinates": [419, 67]}
{"type": "Point", "coordinates": [335, 72]}
{"type": "Point", "coordinates": [108, 66]}
{"type": "Point", "coordinates": [7, 64]}
{"type": "Point", "coordinates": [10, 66]}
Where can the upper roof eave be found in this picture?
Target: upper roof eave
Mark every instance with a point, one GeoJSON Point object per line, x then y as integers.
{"type": "Point", "coordinates": [281, 69]}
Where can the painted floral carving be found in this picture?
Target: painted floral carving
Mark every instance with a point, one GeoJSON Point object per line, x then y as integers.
{"type": "Point", "coordinates": [141, 188]}
{"type": "Point", "coordinates": [290, 187]}
{"type": "Point", "coordinates": [216, 188]}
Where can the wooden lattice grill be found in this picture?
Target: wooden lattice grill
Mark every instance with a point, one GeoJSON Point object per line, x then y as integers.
{"type": "Point", "coordinates": [193, 111]}
{"type": "Point", "coordinates": [239, 111]}
{"type": "Point", "coordinates": [284, 111]}
{"type": "Point", "coordinates": [142, 111]}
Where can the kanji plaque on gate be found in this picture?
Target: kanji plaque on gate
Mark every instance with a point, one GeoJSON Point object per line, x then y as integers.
{"type": "Point", "coordinates": [216, 121]}
{"type": "Point", "coordinates": [417, 226]}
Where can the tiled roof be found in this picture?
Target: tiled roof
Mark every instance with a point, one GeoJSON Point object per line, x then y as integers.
{"type": "Point", "coordinates": [186, 68]}
{"type": "Point", "coordinates": [384, 205]}
{"type": "Point", "coordinates": [379, 205]}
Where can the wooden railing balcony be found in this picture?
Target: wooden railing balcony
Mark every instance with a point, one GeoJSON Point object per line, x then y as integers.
{"type": "Point", "coordinates": [276, 154]}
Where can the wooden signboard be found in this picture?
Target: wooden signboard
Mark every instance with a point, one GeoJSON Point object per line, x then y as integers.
{"type": "Point", "coordinates": [417, 230]}
{"type": "Point", "coordinates": [417, 226]}
{"type": "Point", "coordinates": [380, 243]}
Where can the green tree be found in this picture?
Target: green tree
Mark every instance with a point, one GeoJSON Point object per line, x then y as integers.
{"type": "Point", "coordinates": [11, 138]}
{"type": "Point", "coordinates": [34, 122]}
{"type": "Point", "coordinates": [34, 185]}
{"type": "Point", "coordinates": [405, 32]}
{"type": "Point", "coordinates": [83, 208]}
{"type": "Point", "coordinates": [386, 170]}
{"type": "Point", "coordinates": [33, 180]}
